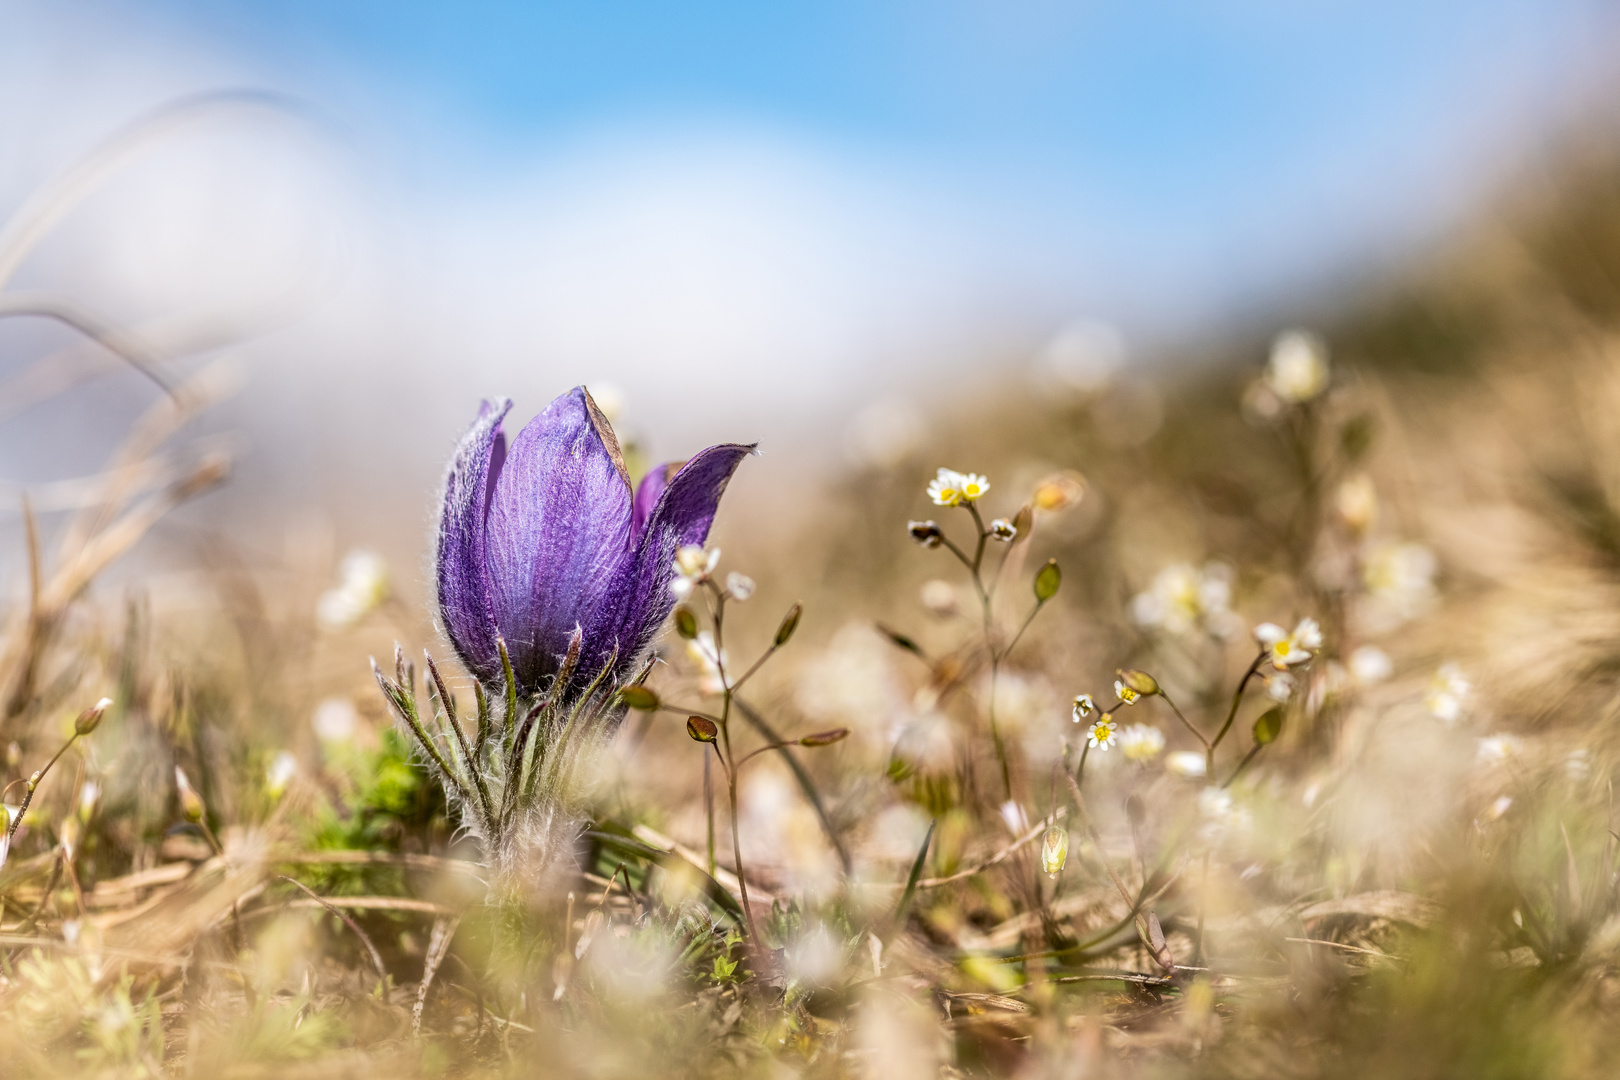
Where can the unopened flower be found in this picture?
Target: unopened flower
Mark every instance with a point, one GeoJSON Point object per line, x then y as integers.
{"type": "Point", "coordinates": [1083, 707]}
{"type": "Point", "coordinates": [740, 586]}
{"type": "Point", "coordinates": [1054, 850]}
{"type": "Point", "coordinates": [1013, 816]}
{"type": "Point", "coordinates": [362, 585]}
{"type": "Point", "coordinates": [1186, 763]}
{"type": "Point", "coordinates": [693, 565]}
{"type": "Point", "coordinates": [1101, 734]}
{"type": "Point", "coordinates": [1059, 491]}
{"type": "Point", "coordinates": [1289, 649]}
{"type": "Point", "coordinates": [1126, 695]}
{"type": "Point", "coordinates": [1140, 742]}
{"type": "Point", "coordinates": [1183, 598]}
{"type": "Point", "coordinates": [926, 533]}
{"type": "Point", "coordinates": [1003, 530]}
{"type": "Point", "coordinates": [89, 796]}
{"type": "Point", "coordinates": [1356, 501]}
{"type": "Point", "coordinates": [551, 536]}
{"type": "Point", "coordinates": [946, 488]}
{"type": "Point", "coordinates": [191, 804]}
{"type": "Point", "coordinates": [1298, 368]}
{"type": "Point", "coordinates": [1370, 664]}
{"type": "Point", "coordinates": [1448, 691]}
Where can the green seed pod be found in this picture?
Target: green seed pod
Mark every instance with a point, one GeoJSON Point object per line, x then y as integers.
{"type": "Point", "coordinates": [686, 623]}
{"type": "Point", "coordinates": [701, 729]}
{"type": "Point", "coordinates": [1269, 726]}
{"type": "Point", "coordinates": [639, 697]}
{"type": "Point", "coordinates": [1138, 680]}
{"type": "Point", "coordinates": [790, 623]}
{"type": "Point", "coordinates": [1047, 580]}
{"type": "Point", "coordinates": [825, 738]}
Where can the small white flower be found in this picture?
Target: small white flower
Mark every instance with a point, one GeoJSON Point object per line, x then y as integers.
{"type": "Point", "coordinates": [1280, 685]}
{"type": "Point", "coordinates": [283, 767]}
{"type": "Point", "coordinates": [1188, 763]}
{"type": "Point", "coordinates": [709, 662]}
{"type": "Point", "coordinates": [1370, 664]}
{"type": "Point", "coordinates": [1448, 691]}
{"type": "Point", "coordinates": [1215, 803]}
{"type": "Point", "coordinates": [693, 565]}
{"type": "Point", "coordinates": [1298, 368]}
{"type": "Point", "coordinates": [1399, 580]}
{"type": "Point", "coordinates": [335, 720]}
{"type": "Point", "coordinates": [1496, 749]}
{"type": "Point", "coordinates": [1289, 650]}
{"type": "Point", "coordinates": [362, 585]}
{"type": "Point", "coordinates": [1183, 598]}
{"type": "Point", "coordinates": [973, 486]}
{"type": "Point", "coordinates": [1083, 707]}
{"type": "Point", "coordinates": [1498, 808]}
{"type": "Point", "coordinates": [740, 586]}
{"type": "Point", "coordinates": [1126, 695]}
{"type": "Point", "coordinates": [1141, 742]}
{"type": "Point", "coordinates": [89, 795]}
{"type": "Point", "coordinates": [1101, 734]}
{"type": "Point", "coordinates": [946, 488]}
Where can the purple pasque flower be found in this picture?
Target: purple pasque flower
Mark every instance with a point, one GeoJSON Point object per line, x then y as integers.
{"type": "Point", "coordinates": [549, 536]}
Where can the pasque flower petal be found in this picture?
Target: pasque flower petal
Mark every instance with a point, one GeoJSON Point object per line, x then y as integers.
{"type": "Point", "coordinates": [559, 533]}
{"type": "Point", "coordinates": [462, 569]}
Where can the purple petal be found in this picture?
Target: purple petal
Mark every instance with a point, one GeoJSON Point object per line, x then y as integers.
{"type": "Point", "coordinates": [640, 600]}
{"type": "Point", "coordinates": [462, 569]}
{"type": "Point", "coordinates": [647, 495]}
{"type": "Point", "coordinates": [559, 533]}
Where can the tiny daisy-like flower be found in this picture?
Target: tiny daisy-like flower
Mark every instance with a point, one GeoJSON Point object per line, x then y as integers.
{"type": "Point", "coordinates": [740, 586]}
{"type": "Point", "coordinates": [1101, 735]}
{"type": "Point", "coordinates": [1126, 695]}
{"type": "Point", "coordinates": [1186, 763]}
{"type": "Point", "coordinates": [1280, 685]}
{"type": "Point", "coordinates": [1289, 650]}
{"type": "Point", "coordinates": [1447, 692]}
{"type": "Point", "coordinates": [1370, 664]}
{"type": "Point", "coordinates": [946, 488]}
{"type": "Point", "coordinates": [693, 565]}
{"type": "Point", "coordinates": [1140, 742]}
{"type": "Point", "coordinates": [1083, 707]}
{"type": "Point", "coordinates": [973, 486]}
{"type": "Point", "coordinates": [1003, 530]}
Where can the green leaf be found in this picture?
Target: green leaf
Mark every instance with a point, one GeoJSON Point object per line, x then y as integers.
{"type": "Point", "coordinates": [1047, 581]}
{"type": "Point", "coordinates": [639, 697]}
{"type": "Point", "coordinates": [723, 968]}
{"type": "Point", "coordinates": [1269, 726]}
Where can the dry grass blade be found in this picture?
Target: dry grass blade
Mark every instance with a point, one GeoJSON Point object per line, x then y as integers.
{"type": "Point", "coordinates": [444, 929]}
{"type": "Point", "coordinates": [365, 938]}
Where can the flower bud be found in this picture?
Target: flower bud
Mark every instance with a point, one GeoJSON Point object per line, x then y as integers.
{"type": "Point", "coordinates": [825, 738]}
{"type": "Point", "coordinates": [191, 804]}
{"type": "Point", "coordinates": [701, 729]}
{"type": "Point", "coordinates": [1003, 530]}
{"type": "Point", "coordinates": [926, 533]}
{"type": "Point", "coordinates": [1138, 680]}
{"type": "Point", "coordinates": [1054, 850]}
{"type": "Point", "coordinates": [639, 697]}
{"type": "Point", "coordinates": [91, 717]}
{"type": "Point", "coordinates": [790, 623]}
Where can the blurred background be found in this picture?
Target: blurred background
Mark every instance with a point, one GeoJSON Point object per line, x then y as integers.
{"type": "Point", "coordinates": [809, 224]}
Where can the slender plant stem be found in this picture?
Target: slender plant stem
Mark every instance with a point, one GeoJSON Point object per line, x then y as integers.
{"type": "Point", "coordinates": [1231, 714]}
{"type": "Point", "coordinates": [708, 804]}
